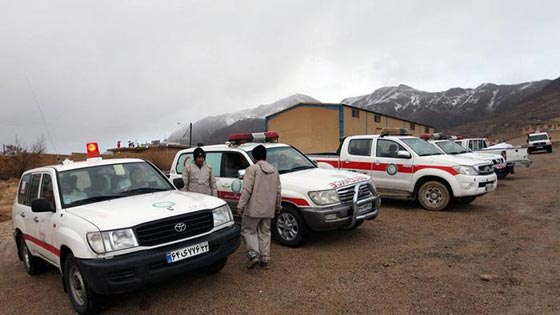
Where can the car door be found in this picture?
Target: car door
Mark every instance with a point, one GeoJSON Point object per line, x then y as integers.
{"type": "Point", "coordinates": [45, 221]}
{"type": "Point", "coordinates": [230, 186]}
{"type": "Point", "coordinates": [392, 173]}
{"type": "Point", "coordinates": [359, 156]}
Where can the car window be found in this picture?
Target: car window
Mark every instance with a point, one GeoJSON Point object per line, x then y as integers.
{"type": "Point", "coordinates": [232, 163]}
{"type": "Point", "coordinates": [185, 157]}
{"type": "Point", "coordinates": [46, 191]}
{"type": "Point", "coordinates": [214, 159]}
{"type": "Point", "coordinates": [388, 148]}
{"type": "Point", "coordinates": [33, 189]}
{"type": "Point", "coordinates": [360, 147]}
{"type": "Point", "coordinates": [23, 188]}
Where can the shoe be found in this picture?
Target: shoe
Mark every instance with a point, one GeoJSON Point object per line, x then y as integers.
{"type": "Point", "coordinates": [253, 262]}
{"type": "Point", "coordinates": [265, 265]}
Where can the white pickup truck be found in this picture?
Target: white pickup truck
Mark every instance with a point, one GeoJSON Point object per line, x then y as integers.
{"type": "Point", "coordinates": [452, 148]}
{"type": "Point", "coordinates": [312, 198]}
{"type": "Point", "coordinates": [515, 156]}
{"type": "Point", "coordinates": [539, 141]}
{"type": "Point", "coordinates": [110, 226]}
{"type": "Point", "coordinates": [409, 167]}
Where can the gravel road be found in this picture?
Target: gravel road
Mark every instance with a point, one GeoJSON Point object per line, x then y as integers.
{"type": "Point", "coordinates": [498, 255]}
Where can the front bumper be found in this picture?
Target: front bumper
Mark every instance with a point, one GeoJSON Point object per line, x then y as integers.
{"type": "Point", "coordinates": [131, 271]}
{"type": "Point", "coordinates": [470, 186]}
{"type": "Point", "coordinates": [524, 163]}
{"type": "Point", "coordinates": [340, 216]}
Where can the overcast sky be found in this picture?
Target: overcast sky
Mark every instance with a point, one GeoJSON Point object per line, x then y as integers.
{"type": "Point", "coordinates": [130, 70]}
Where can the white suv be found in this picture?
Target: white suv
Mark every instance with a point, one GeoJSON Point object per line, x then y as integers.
{"type": "Point", "coordinates": [539, 141]}
{"type": "Point", "coordinates": [111, 226]}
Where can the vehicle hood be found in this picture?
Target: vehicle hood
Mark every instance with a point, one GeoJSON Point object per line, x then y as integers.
{"type": "Point", "coordinates": [320, 179]}
{"type": "Point", "coordinates": [482, 156]}
{"type": "Point", "coordinates": [130, 211]}
{"type": "Point", "coordinates": [452, 160]}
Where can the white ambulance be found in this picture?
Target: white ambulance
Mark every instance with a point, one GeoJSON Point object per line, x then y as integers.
{"type": "Point", "coordinates": [312, 198]}
{"type": "Point", "coordinates": [408, 167]}
{"type": "Point", "coordinates": [110, 226]}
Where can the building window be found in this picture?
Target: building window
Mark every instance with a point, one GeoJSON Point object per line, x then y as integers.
{"type": "Point", "coordinates": [377, 118]}
{"type": "Point", "coordinates": [412, 126]}
{"type": "Point", "coordinates": [426, 129]}
{"type": "Point", "coordinates": [355, 113]}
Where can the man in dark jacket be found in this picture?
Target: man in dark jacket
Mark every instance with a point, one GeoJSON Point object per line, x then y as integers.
{"type": "Point", "coordinates": [258, 203]}
{"type": "Point", "coordinates": [198, 176]}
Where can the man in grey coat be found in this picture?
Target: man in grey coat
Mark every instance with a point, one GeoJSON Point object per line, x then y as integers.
{"type": "Point", "coordinates": [198, 176]}
{"type": "Point", "coordinates": [258, 203]}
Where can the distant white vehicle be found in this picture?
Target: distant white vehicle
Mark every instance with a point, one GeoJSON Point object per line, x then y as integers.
{"type": "Point", "coordinates": [515, 156]}
{"type": "Point", "coordinates": [452, 148]}
{"type": "Point", "coordinates": [539, 141]}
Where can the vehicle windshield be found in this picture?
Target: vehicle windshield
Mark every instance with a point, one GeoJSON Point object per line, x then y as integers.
{"type": "Point", "coordinates": [287, 159]}
{"type": "Point", "coordinates": [451, 147]}
{"type": "Point", "coordinates": [538, 137]}
{"type": "Point", "coordinates": [421, 147]}
{"type": "Point", "coordinates": [99, 183]}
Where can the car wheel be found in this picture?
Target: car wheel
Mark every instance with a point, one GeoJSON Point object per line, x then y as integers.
{"type": "Point", "coordinates": [549, 149]}
{"type": "Point", "coordinates": [433, 196]}
{"type": "Point", "coordinates": [33, 265]}
{"type": "Point", "coordinates": [465, 200]}
{"type": "Point", "coordinates": [82, 297]}
{"type": "Point", "coordinates": [289, 228]}
{"type": "Point", "coordinates": [215, 267]}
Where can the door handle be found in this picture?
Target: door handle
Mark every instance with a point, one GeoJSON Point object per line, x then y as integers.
{"type": "Point", "coordinates": [22, 214]}
{"type": "Point", "coordinates": [35, 219]}
{"type": "Point", "coordinates": [347, 161]}
{"type": "Point", "coordinates": [377, 162]}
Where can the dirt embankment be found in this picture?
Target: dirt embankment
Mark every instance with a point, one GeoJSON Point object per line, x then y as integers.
{"type": "Point", "coordinates": [8, 190]}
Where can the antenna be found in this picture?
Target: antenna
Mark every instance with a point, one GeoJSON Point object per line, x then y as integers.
{"type": "Point", "coordinates": [42, 116]}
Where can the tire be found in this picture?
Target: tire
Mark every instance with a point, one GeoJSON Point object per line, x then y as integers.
{"type": "Point", "coordinates": [289, 228]}
{"type": "Point", "coordinates": [33, 265]}
{"type": "Point", "coordinates": [549, 149]}
{"type": "Point", "coordinates": [465, 200]}
{"type": "Point", "coordinates": [82, 297]}
{"type": "Point", "coordinates": [433, 195]}
{"type": "Point", "coordinates": [215, 267]}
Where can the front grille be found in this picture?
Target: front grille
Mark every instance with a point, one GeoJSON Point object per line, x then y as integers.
{"type": "Point", "coordinates": [346, 194]}
{"type": "Point", "coordinates": [485, 170]}
{"type": "Point", "coordinates": [163, 231]}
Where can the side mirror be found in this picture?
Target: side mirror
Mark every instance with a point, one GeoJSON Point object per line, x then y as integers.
{"type": "Point", "coordinates": [178, 182]}
{"type": "Point", "coordinates": [240, 174]}
{"type": "Point", "coordinates": [403, 154]}
{"type": "Point", "coordinates": [41, 205]}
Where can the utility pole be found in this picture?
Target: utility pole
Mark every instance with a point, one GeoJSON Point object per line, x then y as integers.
{"type": "Point", "coordinates": [190, 135]}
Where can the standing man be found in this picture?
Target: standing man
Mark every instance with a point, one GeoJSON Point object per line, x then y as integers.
{"type": "Point", "coordinates": [198, 176]}
{"type": "Point", "coordinates": [259, 201]}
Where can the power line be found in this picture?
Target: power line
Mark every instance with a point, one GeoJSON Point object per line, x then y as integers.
{"type": "Point", "coordinates": [42, 116]}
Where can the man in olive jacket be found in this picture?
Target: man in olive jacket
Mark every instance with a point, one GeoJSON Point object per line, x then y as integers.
{"type": "Point", "coordinates": [258, 203]}
{"type": "Point", "coordinates": [198, 176]}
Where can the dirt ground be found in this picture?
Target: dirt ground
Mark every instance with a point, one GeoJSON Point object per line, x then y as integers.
{"type": "Point", "coordinates": [498, 255]}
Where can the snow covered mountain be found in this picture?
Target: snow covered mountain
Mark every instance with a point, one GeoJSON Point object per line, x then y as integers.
{"type": "Point", "coordinates": [449, 108]}
{"type": "Point", "coordinates": [213, 129]}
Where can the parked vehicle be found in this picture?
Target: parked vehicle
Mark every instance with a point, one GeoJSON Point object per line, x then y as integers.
{"type": "Point", "coordinates": [539, 141]}
{"type": "Point", "coordinates": [111, 226]}
{"type": "Point", "coordinates": [452, 148]}
{"type": "Point", "coordinates": [408, 167]}
{"type": "Point", "coordinates": [312, 198]}
{"type": "Point", "coordinates": [515, 156]}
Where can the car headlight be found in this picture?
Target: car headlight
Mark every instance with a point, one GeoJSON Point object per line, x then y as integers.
{"type": "Point", "coordinates": [465, 170]}
{"type": "Point", "coordinates": [324, 197]}
{"type": "Point", "coordinates": [109, 241]}
{"type": "Point", "coordinates": [222, 215]}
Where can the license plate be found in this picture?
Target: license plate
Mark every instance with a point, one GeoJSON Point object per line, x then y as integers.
{"type": "Point", "coordinates": [540, 147]}
{"type": "Point", "coordinates": [187, 252]}
{"type": "Point", "coordinates": [489, 186]}
{"type": "Point", "coordinates": [364, 208]}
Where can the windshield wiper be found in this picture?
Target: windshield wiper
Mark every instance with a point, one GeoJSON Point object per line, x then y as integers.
{"type": "Point", "coordinates": [93, 199]}
{"type": "Point", "coordinates": [298, 168]}
{"type": "Point", "coordinates": [142, 190]}
{"type": "Point", "coordinates": [427, 154]}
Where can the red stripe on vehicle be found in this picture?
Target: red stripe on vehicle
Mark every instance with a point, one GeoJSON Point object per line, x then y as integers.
{"type": "Point", "coordinates": [296, 201]}
{"type": "Point", "coordinates": [42, 244]}
{"type": "Point", "coordinates": [382, 167]}
{"type": "Point", "coordinates": [228, 195]}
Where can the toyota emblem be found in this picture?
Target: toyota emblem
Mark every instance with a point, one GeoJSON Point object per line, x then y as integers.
{"type": "Point", "coordinates": [180, 227]}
